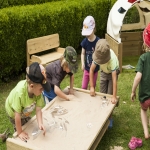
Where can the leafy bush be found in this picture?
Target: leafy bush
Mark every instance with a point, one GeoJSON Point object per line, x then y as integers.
{"type": "Point", "coordinates": [20, 23]}
{"type": "Point", "coordinates": [10, 3]}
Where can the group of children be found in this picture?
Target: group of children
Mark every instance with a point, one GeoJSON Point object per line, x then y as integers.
{"type": "Point", "coordinates": [96, 55]}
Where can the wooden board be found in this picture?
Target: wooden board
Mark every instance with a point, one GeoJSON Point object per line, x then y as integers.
{"type": "Point", "coordinates": [84, 124]}
{"type": "Point", "coordinates": [116, 47]}
{"type": "Point", "coordinates": [131, 36]}
{"type": "Point", "coordinates": [132, 48]}
{"type": "Point", "coordinates": [41, 44]}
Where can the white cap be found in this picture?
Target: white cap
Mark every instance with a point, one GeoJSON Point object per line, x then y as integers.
{"type": "Point", "coordinates": [88, 26]}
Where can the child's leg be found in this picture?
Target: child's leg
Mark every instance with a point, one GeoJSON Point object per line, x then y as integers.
{"type": "Point", "coordinates": [95, 78]}
{"type": "Point", "coordinates": [103, 82]}
{"type": "Point", "coordinates": [145, 123]}
{"type": "Point", "coordinates": [85, 79]}
{"type": "Point", "coordinates": [23, 121]}
{"type": "Point", "coordinates": [110, 87]}
{"type": "Point", "coordinates": [144, 117]}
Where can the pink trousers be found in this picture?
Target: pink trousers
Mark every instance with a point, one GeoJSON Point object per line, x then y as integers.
{"type": "Point", "coordinates": [86, 79]}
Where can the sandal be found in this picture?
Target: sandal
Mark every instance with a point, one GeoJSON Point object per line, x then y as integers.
{"type": "Point", "coordinates": [134, 143]}
{"type": "Point", "coordinates": [137, 140]}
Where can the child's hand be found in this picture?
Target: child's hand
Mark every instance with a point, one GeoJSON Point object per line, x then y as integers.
{"type": "Point", "coordinates": [92, 91]}
{"type": "Point", "coordinates": [70, 97]}
{"type": "Point", "coordinates": [82, 67]}
{"type": "Point", "coordinates": [133, 96]}
{"type": "Point", "coordinates": [113, 100]}
{"type": "Point", "coordinates": [24, 136]}
{"type": "Point", "coordinates": [71, 91]}
{"type": "Point", "coordinates": [41, 127]}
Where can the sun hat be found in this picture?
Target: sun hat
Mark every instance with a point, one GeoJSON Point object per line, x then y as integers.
{"type": "Point", "coordinates": [36, 76]}
{"type": "Point", "coordinates": [146, 35]}
{"type": "Point", "coordinates": [101, 54]}
{"type": "Point", "coordinates": [88, 26]}
{"type": "Point", "coordinates": [70, 55]}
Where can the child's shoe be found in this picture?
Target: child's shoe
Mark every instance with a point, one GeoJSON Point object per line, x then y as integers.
{"type": "Point", "coordinates": [134, 143]}
{"type": "Point", "coordinates": [137, 140]}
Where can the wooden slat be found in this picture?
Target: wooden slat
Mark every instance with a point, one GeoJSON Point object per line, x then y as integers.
{"type": "Point", "coordinates": [116, 47]}
{"type": "Point", "coordinates": [131, 36]}
{"type": "Point", "coordinates": [42, 43]}
{"type": "Point", "coordinates": [88, 91]}
{"type": "Point", "coordinates": [132, 48]}
{"type": "Point", "coordinates": [13, 144]}
{"type": "Point", "coordinates": [147, 18]}
{"type": "Point", "coordinates": [100, 135]}
{"type": "Point", "coordinates": [47, 58]}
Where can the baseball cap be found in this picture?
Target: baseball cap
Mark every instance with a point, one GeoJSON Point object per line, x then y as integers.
{"type": "Point", "coordinates": [88, 26]}
{"type": "Point", "coordinates": [70, 55]}
{"type": "Point", "coordinates": [36, 76]}
{"type": "Point", "coordinates": [101, 54]}
{"type": "Point", "coordinates": [146, 35]}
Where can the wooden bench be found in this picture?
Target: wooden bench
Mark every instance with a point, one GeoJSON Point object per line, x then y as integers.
{"type": "Point", "coordinates": [42, 44]}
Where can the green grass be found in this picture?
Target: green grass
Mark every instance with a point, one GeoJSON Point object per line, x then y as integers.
{"type": "Point", "coordinates": [127, 122]}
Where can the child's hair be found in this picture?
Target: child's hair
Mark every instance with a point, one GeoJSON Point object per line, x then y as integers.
{"type": "Point", "coordinates": [64, 63]}
{"type": "Point", "coordinates": [145, 48]}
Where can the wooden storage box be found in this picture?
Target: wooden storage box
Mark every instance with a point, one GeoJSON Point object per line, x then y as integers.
{"type": "Point", "coordinates": [81, 127]}
{"type": "Point", "coordinates": [132, 43]}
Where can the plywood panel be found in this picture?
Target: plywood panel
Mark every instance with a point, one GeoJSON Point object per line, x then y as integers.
{"type": "Point", "coordinates": [42, 43]}
{"type": "Point", "coordinates": [132, 48]}
{"type": "Point", "coordinates": [116, 47]}
{"type": "Point", "coordinates": [83, 125]}
{"type": "Point", "coordinates": [131, 36]}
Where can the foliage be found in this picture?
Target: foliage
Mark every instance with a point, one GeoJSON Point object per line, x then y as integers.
{"type": "Point", "coordinates": [132, 16]}
{"type": "Point", "coordinates": [20, 23]}
{"type": "Point", "coordinates": [11, 3]}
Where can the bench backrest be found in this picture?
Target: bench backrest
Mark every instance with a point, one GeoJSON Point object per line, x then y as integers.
{"type": "Point", "coordinates": [40, 44]}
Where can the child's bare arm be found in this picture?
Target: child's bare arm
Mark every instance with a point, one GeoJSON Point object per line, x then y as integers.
{"type": "Point", "coordinates": [82, 59]}
{"type": "Point", "coordinates": [39, 119]}
{"type": "Point", "coordinates": [21, 134]}
{"type": "Point", "coordinates": [92, 68]}
{"type": "Point", "coordinates": [71, 84]}
{"type": "Point", "coordinates": [60, 93]}
{"type": "Point", "coordinates": [136, 82]}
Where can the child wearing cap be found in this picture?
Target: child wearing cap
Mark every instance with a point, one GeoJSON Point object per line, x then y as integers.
{"type": "Point", "coordinates": [109, 70]}
{"type": "Point", "coordinates": [88, 47]}
{"type": "Point", "coordinates": [25, 97]}
{"type": "Point", "coordinates": [57, 70]}
{"type": "Point", "coordinates": [109, 66]}
{"type": "Point", "coordinates": [142, 79]}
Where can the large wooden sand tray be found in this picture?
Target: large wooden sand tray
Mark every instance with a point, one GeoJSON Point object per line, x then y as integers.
{"type": "Point", "coordinates": [78, 124]}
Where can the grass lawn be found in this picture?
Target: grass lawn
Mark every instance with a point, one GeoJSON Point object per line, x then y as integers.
{"type": "Point", "coordinates": [127, 122]}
